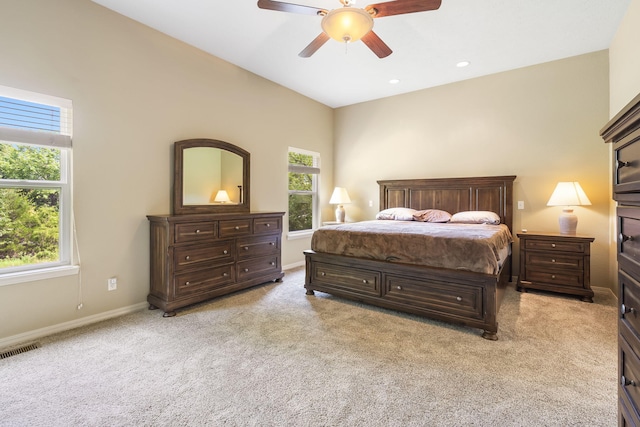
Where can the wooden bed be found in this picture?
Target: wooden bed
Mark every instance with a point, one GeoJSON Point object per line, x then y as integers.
{"type": "Point", "coordinates": [462, 297]}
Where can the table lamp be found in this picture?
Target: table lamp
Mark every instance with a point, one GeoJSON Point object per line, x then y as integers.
{"type": "Point", "coordinates": [568, 194]}
{"type": "Point", "coordinates": [339, 197]}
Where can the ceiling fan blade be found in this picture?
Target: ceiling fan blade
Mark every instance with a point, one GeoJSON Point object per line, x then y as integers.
{"type": "Point", "coordinates": [314, 45]}
{"type": "Point", "coordinates": [376, 44]}
{"type": "Point", "coordinates": [400, 7]}
{"type": "Point", "coordinates": [290, 7]}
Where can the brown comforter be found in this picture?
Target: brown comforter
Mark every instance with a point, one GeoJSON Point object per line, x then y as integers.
{"type": "Point", "coordinates": [472, 247]}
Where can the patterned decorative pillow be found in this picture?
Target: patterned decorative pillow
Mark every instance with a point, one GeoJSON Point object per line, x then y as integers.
{"type": "Point", "coordinates": [476, 217]}
{"type": "Point", "coordinates": [432, 215]}
{"type": "Point", "coordinates": [397, 214]}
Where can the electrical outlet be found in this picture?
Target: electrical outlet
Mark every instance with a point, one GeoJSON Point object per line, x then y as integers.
{"type": "Point", "coordinates": [520, 204]}
{"type": "Point", "coordinates": [370, 203]}
{"type": "Point", "coordinates": [112, 284]}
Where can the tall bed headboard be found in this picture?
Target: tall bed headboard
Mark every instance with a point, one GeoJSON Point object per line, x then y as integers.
{"type": "Point", "coordinates": [489, 193]}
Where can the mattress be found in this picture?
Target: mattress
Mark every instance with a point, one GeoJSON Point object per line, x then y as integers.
{"type": "Point", "coordinates": [480, 248]}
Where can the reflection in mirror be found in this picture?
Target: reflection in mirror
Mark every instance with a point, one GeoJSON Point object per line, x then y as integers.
{"type": "Point", "coordinates": [210, 176]}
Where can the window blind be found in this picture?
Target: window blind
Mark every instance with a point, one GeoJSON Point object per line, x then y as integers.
{"type": "Point", "coordinates": [29, 118]}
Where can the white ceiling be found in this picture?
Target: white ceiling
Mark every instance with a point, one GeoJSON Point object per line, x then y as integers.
{"type": "Point", "coordinates": [494, 35]}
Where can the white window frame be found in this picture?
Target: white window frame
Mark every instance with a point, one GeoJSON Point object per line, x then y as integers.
{"type": "Point", "coordinates": [315, 185]}
{"type": "Point", "coordinates": [61, 141]}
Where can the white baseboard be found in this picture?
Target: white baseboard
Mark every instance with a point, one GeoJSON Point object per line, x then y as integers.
{"type": "Point", "coordinates": [61, 327]}
{"type": "Point", "coordinates": [294, 265]}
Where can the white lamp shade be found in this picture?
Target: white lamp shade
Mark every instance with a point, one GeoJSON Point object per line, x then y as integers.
{"type": "Point", "coordinates": [347, 24]}
{"type": "Point", "coordinates": [339, 196]}
{"type": "Point", "coordinates": [568, 194]}
{"type": "Point", "coordinates": [222, 197]}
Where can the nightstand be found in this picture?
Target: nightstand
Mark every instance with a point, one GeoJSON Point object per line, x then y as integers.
{"type": "Point", "coordinates": [555, 262]}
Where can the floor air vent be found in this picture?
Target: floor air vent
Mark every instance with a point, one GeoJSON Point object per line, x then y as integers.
{"type": "Point", "coordinates": [18, 350]}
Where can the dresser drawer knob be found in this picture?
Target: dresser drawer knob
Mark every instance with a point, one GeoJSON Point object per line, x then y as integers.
{"type": "Point", "coordinates": [225, 252]}
{"type": "Point", "coordinates": [458, 299]}
{"type": "Point", "coordinates": [323, 273]}
{"type": "Point", "coordinates": [236, 227]}
{"type": "Point", "coordinates": [246, 248]}
{"type": "Point", "coordinates": [197, 231]}
{"type": "Point", "coordinates": [622, 164]}
{"type": "Point", "coordinates": [553, 276]}
{"type": "Point", "coordinates": [272, 243]}
{"type": "Point", "coordinates": [272, 263]}
{"type": "Point", "coordinates": [365, 281]}
{"type": "Point", "coordinates": [553, 260]}
{"type": "Point", "coordinates": [246, 270]}
{"type": "Point", "coordinates": [553, 245]}
{"type": "Point", "coordinates": [225, 274]}
{"type": "Point", "coordinates": [624, 309]}
{"type": "Point", "coordinates": [187, 257]}
{"type": "Point", "coordinates": [187, 283]}
{"type": "Point", "coordinates": [268, 225]}
{"type": "Point", "coordinates": [624, 381]}
{"type": "Point", "coordinates": [624, 238]}
{"type": "Point", "coordinates": [399, 287]}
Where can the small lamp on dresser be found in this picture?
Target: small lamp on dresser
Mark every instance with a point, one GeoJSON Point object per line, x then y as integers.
{"type": "Point", "coordinates": [222, 197]}
{"type": "Point", "coordinates": [340, 197]}
{"type": "Point", "coordinates": [568, 194]}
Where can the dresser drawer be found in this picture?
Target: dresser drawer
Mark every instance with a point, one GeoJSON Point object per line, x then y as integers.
{"type": "Point", "coordinates": [629, 373]}
{"type": "Point", "coordinates": [566, 277]}
{"type": "Point", "coordinates": [233, 228]}
{"type": "Point", "coordinates": [629, 303]}
{"type": "Point", "coordinates": [258, 246]}
{"type": "Point", "coordinates": [629, 234]}
{"type": "Point", "coordinates": [627, 164]}
{"type": "Point", "coordinates": [203, 280]}
{"type": "Point", "coordinates": [267, 225]}
{"type": "Point", "coordinates": [195, 231]}
{"type": "Point", "coordinates": [351, 280]}
{"type": "Point", "coordinates": [202, 256]}
{"type": "Point", "coordinates": [445, 298]}
{"type": "Point", "coordinates": [551, 260]}
{"type": "Point", "coordinates": [555, 245]}
{"type": "Point", "coordinates": [257, 267]}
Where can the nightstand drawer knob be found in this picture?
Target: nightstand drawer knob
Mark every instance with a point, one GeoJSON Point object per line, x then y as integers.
{"type": "Point", "coordinates": [225, 274]}
{"type": "Point", "coordinates": [323, 274]}
{"type": "Point", "coordinates": [364, 281]}
{"type": "Point", "coordinates": [268, 225]}
{"type": "Point", "coordinates": [553, 260]}
{"type": "Point", "coordinates": [246, 248]}
{"type": "Point", "coordinates": [458, 299]}
{"type": "Point", "coordinates": [553, 276]}
{"type": "Point", "coordinates": [624, 381]}
{"type": "Point", "coordinates": [553, 245]}
{"type": "Point", "coordinates": [197, 231]}
{"type": "Point", "coordinates": [624, 309]}
{"type": "Point", "coordinates": [236, 227]}
{"type": "Point", "coordinates": [273, 263]}
{"type": "Point", "coordinates": [225, 252]}
{"type": "Point", "coordinates": [246, 270]}
{"type": "Point", "coordinates": [624, 238]}
{"type": "Point", "coordinates": [187, 283]}
{"type": "Point", "coordinates": [187, 257]}
{"type": "Point", "coordinates": [399, 287]}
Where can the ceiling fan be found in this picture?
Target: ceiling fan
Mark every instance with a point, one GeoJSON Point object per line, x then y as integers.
{"type": "Point", "coordinates": [349, 24]}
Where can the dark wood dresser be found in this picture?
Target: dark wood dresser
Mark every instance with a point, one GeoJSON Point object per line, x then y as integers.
{"type": "Point", "coordinates": [201, 256]}
{"type": "Point", "coordinates": [556, 262]}
{"type": "Point", "coordinates": [623, 131]}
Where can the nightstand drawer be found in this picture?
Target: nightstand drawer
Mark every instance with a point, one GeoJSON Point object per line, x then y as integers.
{"type": "Point", "coordinates": [555, 260]}
{"type": "Point", "coordinates": [566, 278]}
{"type": "Point", "coordinates": [555, 246]}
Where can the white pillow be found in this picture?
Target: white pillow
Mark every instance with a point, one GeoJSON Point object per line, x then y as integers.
{"type": "Point", "coordinates": [397, 214]}
{"type": "Point", "coordinates": [476, 217]}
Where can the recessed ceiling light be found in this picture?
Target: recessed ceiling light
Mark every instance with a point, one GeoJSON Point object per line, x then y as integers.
{"type": "Point", "coordinates": [394, 81]}
{"type": "Point", "coordinates": [462, 64]}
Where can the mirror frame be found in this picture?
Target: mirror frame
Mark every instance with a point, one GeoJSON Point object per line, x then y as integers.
{"type": "Point", "coordinates": [179, 208]}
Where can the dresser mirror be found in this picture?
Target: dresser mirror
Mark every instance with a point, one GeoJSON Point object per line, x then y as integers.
{"type": "Point", "coordinates": [210, 176]}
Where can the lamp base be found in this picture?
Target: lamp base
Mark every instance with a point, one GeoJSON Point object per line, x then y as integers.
{"type": "Point", "coordinates": [340, 214]}
{"type": "Point", "coordinates": [568, 222]}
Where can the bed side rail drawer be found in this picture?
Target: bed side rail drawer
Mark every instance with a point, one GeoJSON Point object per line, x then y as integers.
{"type": "Point", "coordinates": [434, 296]}
{"type": "Point", "coordinates": [350, 280]}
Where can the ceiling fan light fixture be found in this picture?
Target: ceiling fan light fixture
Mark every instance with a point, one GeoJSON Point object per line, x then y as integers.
{"type": "Point", "coordinates": [347, 24]}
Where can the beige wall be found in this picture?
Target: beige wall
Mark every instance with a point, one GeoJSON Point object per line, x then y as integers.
{"type": "Point", "coordinates": [135, 92]}
{"type": "Point", "coordinates": [540, 123]}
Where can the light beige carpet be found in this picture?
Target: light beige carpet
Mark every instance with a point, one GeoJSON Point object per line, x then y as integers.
{"type": "Point", "coordinates": [272, 356]}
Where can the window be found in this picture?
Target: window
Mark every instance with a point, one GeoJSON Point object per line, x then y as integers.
{"type": "Point", "coordinates": [35, 188]}
{"type": "Point", "coordinates": [304, 170]}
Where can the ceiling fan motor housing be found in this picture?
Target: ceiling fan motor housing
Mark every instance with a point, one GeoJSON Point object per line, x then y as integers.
{"type": "Point", "coordinates": [347, 24]}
